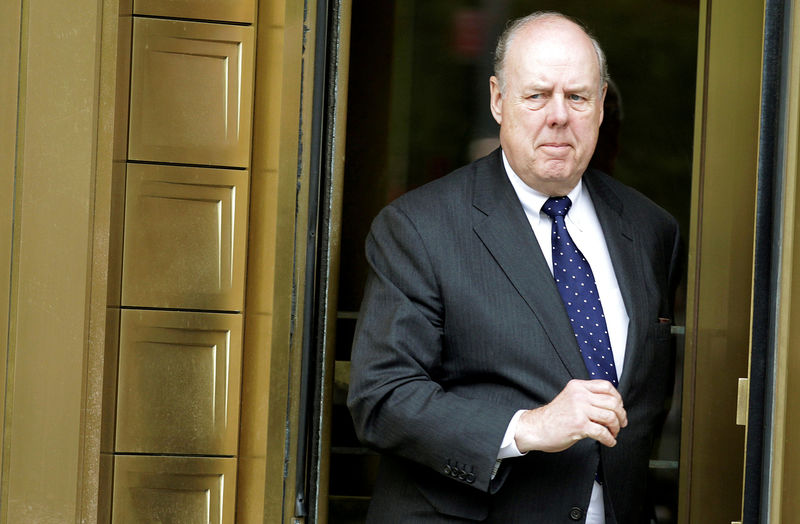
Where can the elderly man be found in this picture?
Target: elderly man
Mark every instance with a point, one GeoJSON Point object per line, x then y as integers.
{"type": "Point", "coordinates": [512, 360]}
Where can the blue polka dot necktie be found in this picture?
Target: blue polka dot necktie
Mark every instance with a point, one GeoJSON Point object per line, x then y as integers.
{"type": "Point", "coordinates": [576, 284]}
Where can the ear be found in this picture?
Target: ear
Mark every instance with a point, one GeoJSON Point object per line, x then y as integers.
{"type": "Point", "coordinates": [603, 101]}
{"type": "Point", "coordinates": [496, 99]}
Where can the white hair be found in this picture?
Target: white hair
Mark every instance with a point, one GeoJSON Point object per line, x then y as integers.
{"type": "Point", "coordinates": [513, 27]}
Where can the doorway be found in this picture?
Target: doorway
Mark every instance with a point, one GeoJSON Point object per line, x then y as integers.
{"type": "Point", "coordinates": [418, 108]}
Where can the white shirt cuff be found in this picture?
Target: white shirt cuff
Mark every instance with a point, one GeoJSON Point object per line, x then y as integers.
{"type": "Point", "coordinates": [508, 448]}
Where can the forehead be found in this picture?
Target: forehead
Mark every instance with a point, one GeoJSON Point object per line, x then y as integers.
{"type": "Point", "coordinates": [546, 48]}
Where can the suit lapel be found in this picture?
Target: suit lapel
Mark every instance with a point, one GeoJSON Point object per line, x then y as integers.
{"type": "Point", "coordinates": [626, 259]}
{"type": "Point", "coordinates": [502, 226]}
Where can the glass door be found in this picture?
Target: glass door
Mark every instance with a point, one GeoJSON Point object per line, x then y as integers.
{"type": "Point", "coordinates": [418, 108]}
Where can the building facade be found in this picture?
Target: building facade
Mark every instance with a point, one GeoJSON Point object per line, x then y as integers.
{"type": "Point", "coordinates": [186, 186]}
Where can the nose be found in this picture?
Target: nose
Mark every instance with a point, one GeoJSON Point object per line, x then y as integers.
{"type": "Point", "coordinates": [557, 113]}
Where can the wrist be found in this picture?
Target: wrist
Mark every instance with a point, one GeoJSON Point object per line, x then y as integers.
{"type": "Point", "coordinates": [526, 434]}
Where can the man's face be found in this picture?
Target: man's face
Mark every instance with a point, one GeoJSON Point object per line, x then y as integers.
{"type": "Point", "coordinates": [552, 105]}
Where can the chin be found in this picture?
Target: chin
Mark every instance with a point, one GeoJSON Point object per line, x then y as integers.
{"type": "Point", "coordinates": [561, 185]}
{"type": "Point", "coordinates": [560, 178]}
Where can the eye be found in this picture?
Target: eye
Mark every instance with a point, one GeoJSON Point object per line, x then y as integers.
{"type": "Point", "coordinates": [576, 98]}
{"type": "Point", "coordinates": [535, 100]}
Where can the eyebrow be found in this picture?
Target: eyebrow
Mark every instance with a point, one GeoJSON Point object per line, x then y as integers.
{"type": "Point", "coordinates": [537, 86]}
{"type": "Point", "coordinates": [579, 87]}
{"type": "Point", "coordinates": [573, 88]}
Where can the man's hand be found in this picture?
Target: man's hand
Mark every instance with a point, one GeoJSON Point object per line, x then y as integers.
{"type": "Point", "coordinates": [584, 408]}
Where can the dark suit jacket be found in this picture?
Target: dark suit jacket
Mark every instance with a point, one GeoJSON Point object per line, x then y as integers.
{"type": "Point", "coordinates": [462, 325]}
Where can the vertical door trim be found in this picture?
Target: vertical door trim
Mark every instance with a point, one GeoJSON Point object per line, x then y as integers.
{"type": "Point", "coordinates": [322, 256]}
{"type": "Point", "coordinates": [11, 35]}
{"type": "Point", "coordinates": [767, 265]}
{"type": "Point", "coordinates": [780, 476]}
{"type": "Point", "coordinates": [315, 268]}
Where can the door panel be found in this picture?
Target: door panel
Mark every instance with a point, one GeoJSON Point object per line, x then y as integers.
{"type": "Point", "coordinates": [185, 237]}
{"type": "Point", "coordinates": [181, 209]}
{"type": "Point", "coordinates": [720, 259]}
{"type": "Point", "coordinates": [179, 382]}
{"type": "Point", "coordinates": [174, 489]}
{"type": "Point", "coordinates": [191, 92]}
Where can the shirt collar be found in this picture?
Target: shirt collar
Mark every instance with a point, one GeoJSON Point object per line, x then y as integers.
{"type": "Point", "coordinates": [532, 200]}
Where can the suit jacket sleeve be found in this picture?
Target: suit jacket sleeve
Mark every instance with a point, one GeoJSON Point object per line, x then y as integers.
{"type": "Point", "coordinates": [396, 402]}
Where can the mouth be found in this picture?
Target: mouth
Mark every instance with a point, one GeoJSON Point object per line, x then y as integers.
{"type": "Point", "coordinates": [555, 148]}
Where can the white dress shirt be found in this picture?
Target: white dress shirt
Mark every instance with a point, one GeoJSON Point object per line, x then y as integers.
{"type": "Point", "coordinates": [586, 232]}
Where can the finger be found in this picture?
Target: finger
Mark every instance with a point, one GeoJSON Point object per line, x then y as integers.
{"type": "Point", "coordinates": [600, 433]}
{"type": "Point", "coordinates": [605, 395]}
{"type": "Point", "coordinates": [603, 387]}
{"type": "Point", "coordinates": [607, 418]}
{"type": "Point", "coordinates": [611, 404]}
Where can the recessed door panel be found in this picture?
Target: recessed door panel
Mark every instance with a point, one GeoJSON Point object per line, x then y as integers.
{"type": "Point", "coordinates": [184, 238]}
{"type": "Point", "coordinates": [179, 382]}
{"type": "Point", "coordinates": [191, 93]}
{"type": "Point", "coordinates": [222, 10]}
{"type": "Point", "coordinates": [174, 490]}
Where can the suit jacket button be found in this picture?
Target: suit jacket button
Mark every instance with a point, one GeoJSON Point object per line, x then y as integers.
{"type": "Point", "coordinates": [470, 478]}
{"type": "Point", "coordinates": [576, 513]}
{"type": "Point", "coordinates": [447, 469]}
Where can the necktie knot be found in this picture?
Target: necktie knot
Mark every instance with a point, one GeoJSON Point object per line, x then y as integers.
{"type": "Point", "coordinates": [556, 206]}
